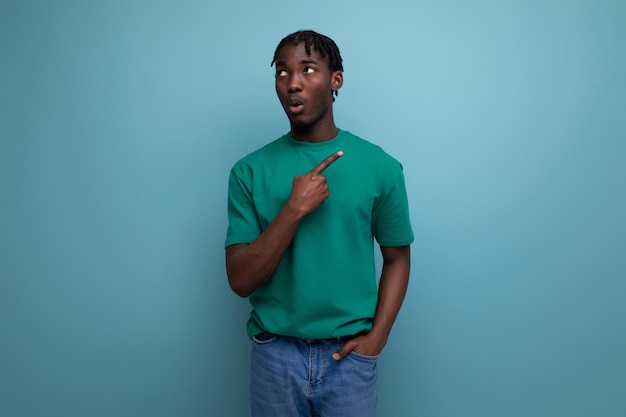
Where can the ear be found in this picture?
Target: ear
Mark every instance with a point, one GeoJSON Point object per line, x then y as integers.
{"type": "Point", "coordinates": [336, 80]}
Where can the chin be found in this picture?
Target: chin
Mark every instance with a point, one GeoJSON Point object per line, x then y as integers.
{"type": "Point", "coordinates": [300, 123]}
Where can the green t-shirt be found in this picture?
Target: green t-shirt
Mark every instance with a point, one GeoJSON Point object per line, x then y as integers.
{"type": "Point", "coordinates": [325, 285]}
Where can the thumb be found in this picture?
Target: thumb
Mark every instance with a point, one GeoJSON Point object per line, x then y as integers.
{"type": "Point", "coordinates": [344, 350]}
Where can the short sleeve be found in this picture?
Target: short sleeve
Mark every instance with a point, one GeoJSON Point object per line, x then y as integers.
{"type": "Point", "coordinates": [243, 223]}
{"type": "Point", "coordinates": [391, 223]}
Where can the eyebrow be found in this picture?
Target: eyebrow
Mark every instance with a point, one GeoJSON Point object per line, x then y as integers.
{"type": "Point", "coordinates": [304, 61]}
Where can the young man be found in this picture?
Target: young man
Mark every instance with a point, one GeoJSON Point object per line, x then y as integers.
{"type": "Point", "coordinates": [303, 213]}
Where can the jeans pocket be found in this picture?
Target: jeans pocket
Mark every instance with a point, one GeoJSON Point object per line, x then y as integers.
{"type": "Point", "coordinates": [360, 356]}
{"type": "Point", "coordinates": [264, 338]}
{"type": "Point", "coordinates": [363, 357]}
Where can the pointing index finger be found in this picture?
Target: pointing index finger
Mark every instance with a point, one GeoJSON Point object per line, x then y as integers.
{"type": "Point", "coordinates": [326, 163]}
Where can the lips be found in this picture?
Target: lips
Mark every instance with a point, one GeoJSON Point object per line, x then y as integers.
{"type": "Point", "coordinates": [295, 105]}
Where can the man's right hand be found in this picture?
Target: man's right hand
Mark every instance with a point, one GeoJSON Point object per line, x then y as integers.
{"type": "Point", "coordinates": [310, 190]}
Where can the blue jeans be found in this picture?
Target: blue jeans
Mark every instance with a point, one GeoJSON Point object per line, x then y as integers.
{"type": "Point", "coordinates": [294, 377]}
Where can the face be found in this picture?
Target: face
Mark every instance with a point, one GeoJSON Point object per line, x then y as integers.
{"type": "Point", "coordinates": [304, 84]}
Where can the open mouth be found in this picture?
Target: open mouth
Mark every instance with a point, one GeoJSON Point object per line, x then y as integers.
{"type": "Point", "coordinates": [295, 108]}
{"type": "Point", "coordinates": [295, 105]}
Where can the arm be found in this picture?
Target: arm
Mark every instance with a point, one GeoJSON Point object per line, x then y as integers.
{"type": "Point", "coordinates": [252, 265]}
{"type": "Point", "coordinates": [249, 266]}
{"type": "Point", "coordinates": [391, 291]}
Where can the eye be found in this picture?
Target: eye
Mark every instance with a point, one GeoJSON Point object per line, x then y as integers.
{"type": "Point", "coordinates": [309, 70]}
{"type": "Point", "coordinates": [281, 73]}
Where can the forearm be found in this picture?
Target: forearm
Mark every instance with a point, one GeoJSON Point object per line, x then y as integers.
{"type": "Point", "coordinates": [249, 266]}
{"type": "Point", "coordinates": [391, 290]}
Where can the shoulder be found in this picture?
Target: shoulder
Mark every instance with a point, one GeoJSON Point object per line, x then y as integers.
{"type": "Point", "coordinates": [370, 152]}
{"type": "Point", "coordinates": [266, 153]}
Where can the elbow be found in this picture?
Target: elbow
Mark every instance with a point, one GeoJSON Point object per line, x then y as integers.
{"type": "Point", "coordinates": [240, 286]}
{"type": "Point", "coordinates": [238, 279]}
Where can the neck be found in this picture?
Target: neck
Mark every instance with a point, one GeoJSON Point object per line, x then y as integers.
{"type": "Point", "coordinates": [318, 133]}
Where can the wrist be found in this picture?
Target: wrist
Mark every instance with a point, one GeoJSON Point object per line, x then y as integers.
{"type": "Point", "coordinates": [293, 211]}
{"type": "Point", "coordinates": [379, 333]}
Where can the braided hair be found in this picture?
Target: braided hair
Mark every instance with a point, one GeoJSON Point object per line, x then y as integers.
{"type": "Point", "coordinates": [325, 46]}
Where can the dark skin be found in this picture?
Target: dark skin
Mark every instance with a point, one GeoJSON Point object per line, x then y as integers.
{"type": "Point", "coordinates": [304, 85]}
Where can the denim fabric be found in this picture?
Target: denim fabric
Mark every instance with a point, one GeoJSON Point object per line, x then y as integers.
{"type": "Point", "coordinates": [294, 377]}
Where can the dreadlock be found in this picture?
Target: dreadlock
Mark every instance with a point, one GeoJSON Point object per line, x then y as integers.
{"type": "Point", "coordinates": [326, 47]}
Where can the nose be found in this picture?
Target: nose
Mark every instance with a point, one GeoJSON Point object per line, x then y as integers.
{"type": "Point", "coordinates": [294, 83]}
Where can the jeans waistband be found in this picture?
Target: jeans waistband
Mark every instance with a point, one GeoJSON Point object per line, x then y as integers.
{"type": "Point", "coordinates": [265, 336]}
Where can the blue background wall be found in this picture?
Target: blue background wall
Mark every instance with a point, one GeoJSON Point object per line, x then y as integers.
{"type": "Point", "coordinates": [121, 119]}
